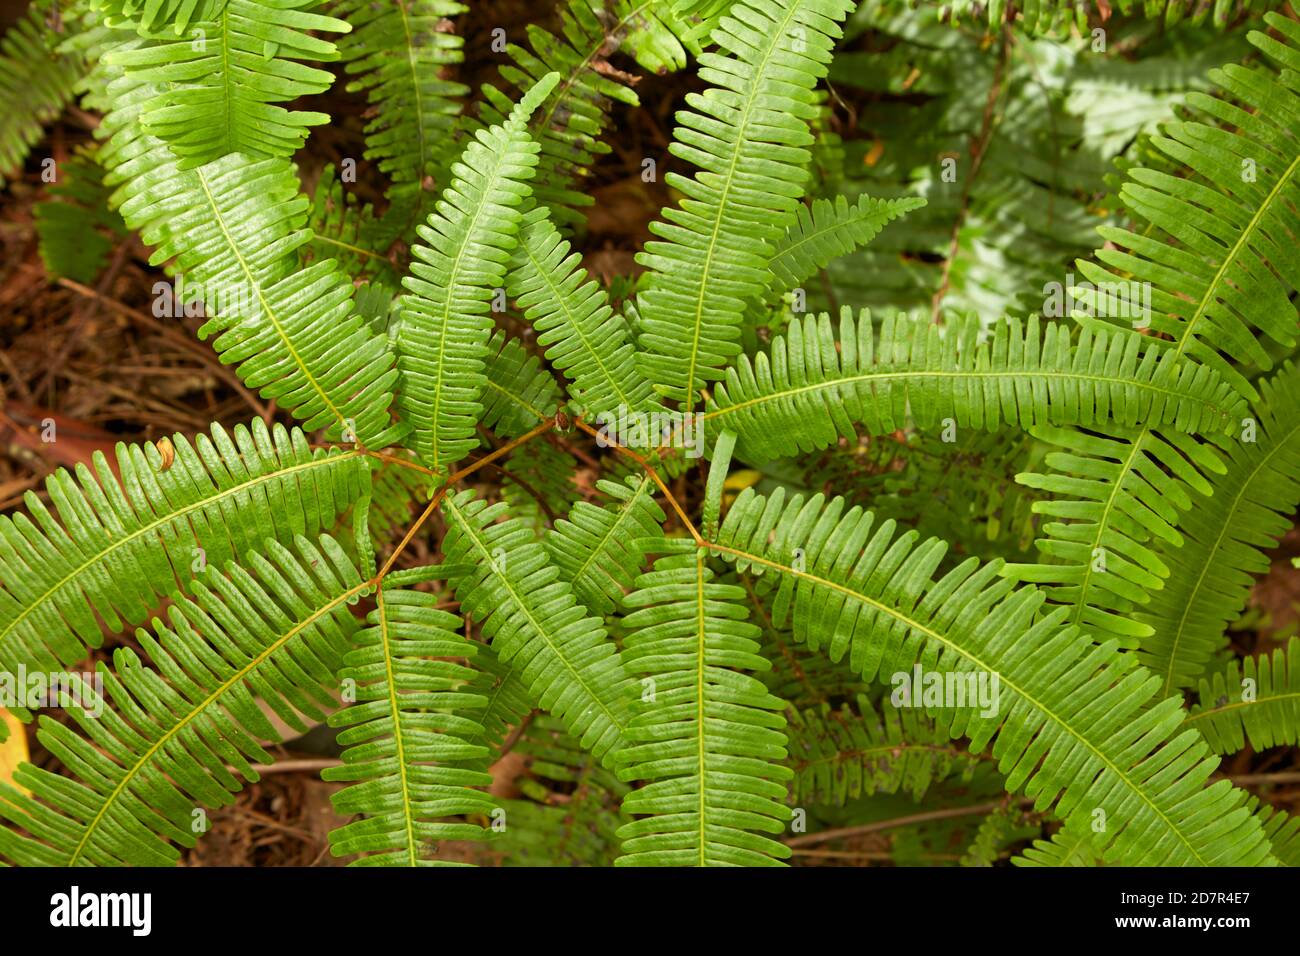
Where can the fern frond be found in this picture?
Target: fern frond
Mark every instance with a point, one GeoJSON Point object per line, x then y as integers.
{"type": "Point", "coordinates": [1076, 725]}
{"type": "Point", "coordinates": [407, 736]}
{"type": "Point", "coordinates": [217, 91]}
{"type": "Point", "coordinates": [561, 654]}
{"type": "Point", "coordinates": [1122, 493]}
{"type": "Point", "coordinates": [707, 737]}
{"type": "Point", "coordinates": [274, 632]}
{"type": "Point", "coordinates": [76, 228]}
{"type": "Point", "coordinates": [1282, 830]}
{"type": "Point", "coordinates": [347, 230]}
{"type": "Point", "coordinates": [149, 16]}
{"type": "Point", "coordinates": [1071, 845]}
{"type": "Point", "coordinates": [112, 548]}
{"type": "Point", "coordinates": [583, 337]}
{"type": "Point", "coordinates": [827, 230]}
{"type": "Point", "coordinates": [568, 123]}
{"type": "Point", "coordinates": [842, 755]}
{"type": "Point", "coordinates": [36, 82]}
{"type": "Point", "coordinates": [702, 16]}
{"type": "Point", "coordinates": [446, 318]}
{"type": "Point", "coordinates": [1219, 272]}
{"type": "Point", "coordinates": [399, 54]}
{"type": "Point", "coordinates": [812, 389]}
{"type": "Point", "coordinates": [233, 227]}
{"type": "Point", "coordinates": [601, 550]}
{"type": "Point", "coordinates": [519, 392]}
{"type": "Point", "coordinates": [1220, 248]}
{"type": "Point", "coordinates": [1257, 699]}
{"type": "Point", "coordinates": [570, 811]}
{"type": "Point", "coordinates": [1224, 539]}
{"type": "Point", "coordinates": [999, 830]}
{"type": "Point", "coordinates": [748, 133]}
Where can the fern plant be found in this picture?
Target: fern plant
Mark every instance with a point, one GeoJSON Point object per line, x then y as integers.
{"type": "Point", "coordinates": [711, 566]}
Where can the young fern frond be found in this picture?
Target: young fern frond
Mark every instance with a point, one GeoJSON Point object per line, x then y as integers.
{"type": "Point", "coordinates": [275, 632]}
{"type": "Point", "coordinates": [601, 550]}
{"type": "Point", "coordinates": [1223, 261]}
{"type": "Point", "coordinates": [583, 337]}
{"type": "Point", "coordinates": [843, 755]}
{"type": "Point", "coordinates": [1224, 539]}
{"type": "Point", "coordinates": [707, 737]}
{"type": "Point", "coordinates": [1257, 699]}
{"type": "Point", "coordinates": [748, 133]}
{"type": "Point", "coordinates": [1077, 726]}
{"type": "Point", "coordinates": [812, 389]}
{"type": "Point", "coordinates": [408, 735]}
{"type": "Point", "coordinates": [218, 90]}
{"type": "Point", "coordinates": [461, 261]}
{"type": "Point", "coordinates": [518, 597]}
{"type": "Point", "coordinates": [115, 546]}
{"type": "Point", "coordinates": [398, 54]}
{"type": "Point", "coordinates": [36, 82]}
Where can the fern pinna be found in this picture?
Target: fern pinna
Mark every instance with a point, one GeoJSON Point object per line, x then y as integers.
{"type": "Point", "coordinates": [711, 563]}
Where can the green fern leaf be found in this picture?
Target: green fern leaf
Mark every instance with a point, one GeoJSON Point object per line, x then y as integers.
{"type": "Point", "coordinates": [275, 632]}
{"type": "Point", "coordinates": [446, 318]}
{"type": "Point", "coordinates": [748, 133]}
{"type": "Point", "coordinates": [515, 593]}
{"type": "Point", "coordinates": [583, 337]}
{"type": "Point", "coordinates": [600, 550]}
{"type": "Point", "coordinates": [398, 54]}
{"type": "Point", "coordinates": [827, 230]}
{"type": "Point", "coordinates": [1230, 264]}
{"type": "Point", "coordinates": [814, 389]}
{"type": "Point", "coordinates": [1072, 845]}
{"type": "Point", "coordinates": [519, 392]}
{"type": "Point", "coordinates": [113, 547]}
{"type": "Point", "coordinates": [709, 741]}
{"type": "Point", "coordinates": [1122, 493]}
{"type": "Point", "coordinates": [36, 82]}
{"type": "Point", "coordinates": [1224, 539]}
{"type": "Point", "coordinates": [408, 736]}
{"type": "Point", "coordinates": [1076, 725]}
{"type": "Point", "coordinates": [75, 226]}
{"type": "Point", "coordinates": [568, 122]}
{"type": "Point", "coordinates": [292, 332]}
{"type": "Point", "coordinates": [1257, 699]}
{"type": "Point", "coordinates": [218, 89]}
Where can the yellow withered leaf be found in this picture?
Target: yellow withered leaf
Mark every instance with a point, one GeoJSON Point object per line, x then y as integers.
{"type": "Point", "coordinates": [14, 750]}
